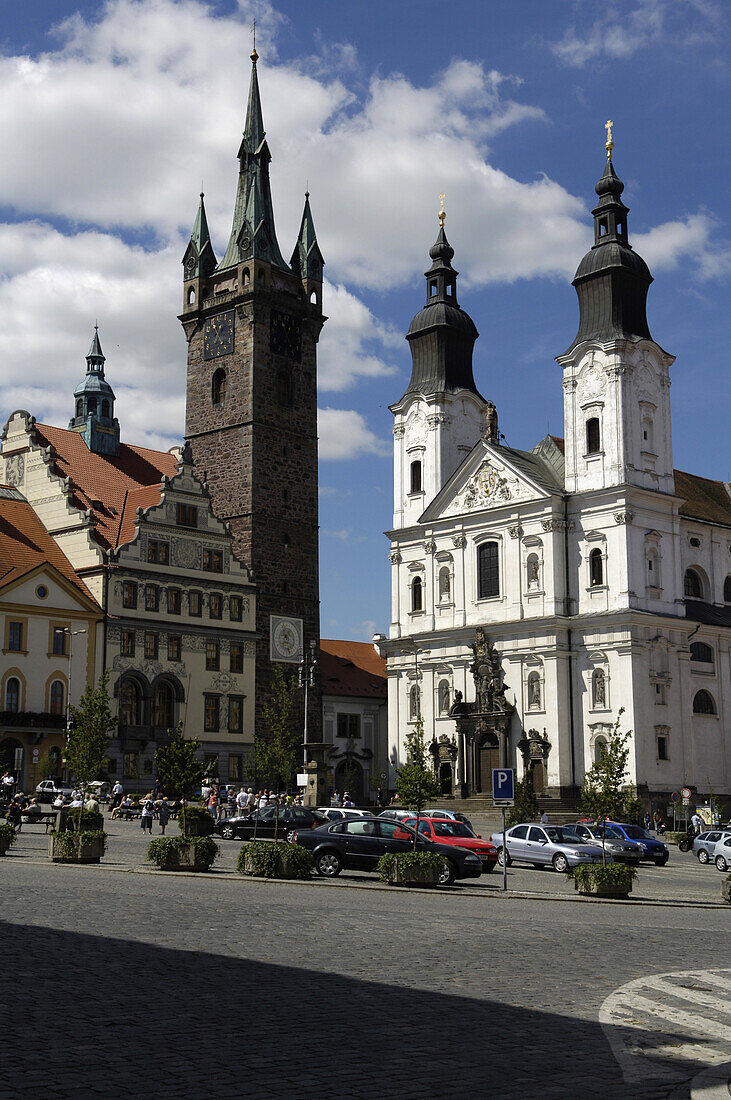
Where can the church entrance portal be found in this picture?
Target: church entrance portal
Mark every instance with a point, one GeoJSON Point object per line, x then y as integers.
{"type": "Point", "coordinates": [489, 759]}
{"type": "Point", "coordinates": [445, 779]}
{"type": "Point", "coordinates": [538, 776]}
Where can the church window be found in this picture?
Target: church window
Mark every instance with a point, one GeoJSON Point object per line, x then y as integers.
{"type": "Point", "coordinates": [246, 276]}
{"type": "Point", "coordinates": [692, 585]}
{"type": "Point", "coordinates": [218, 387]}
{"type": "Point", "coordinates": [534, 691]}
{"type": "Point", "coordinates": [105, 409]}
{"type": "Point", "coordinates": [596, 568]}
{"type": "Point", "coordinates": [215, 605]}
{"type": "Point", "coordinates": [599, 689]}
{"type": "Point", "coordinates": [533, 572]}
{"type": "Point", "coordinates": [444, 696]}
{"type": "Point", "coordinates": [444, 584]}
{"type": "Point", "coordinates": [57, 697]}
{"type": "Point", "coordinates": [727, 589]}
{"type": "Point", "coordinates": [701, 652]}
{"type": "Point", "coordinates": [593, 439]}
{"type": "Point", "coordinates": [235, 714]}
{"type": "Point", "coordinates": [415, 477]}
{"type": "Point", "coordinates": [662, 747]}
{"type": "Point", "coordinates": [12, 695]}
{"type": "Point", "coordinates": [191, 295]}
{"type": "Point", "coordinates": [236, 657]}
{"type": "Point", "coordinates": [600, 749]}
{"type": "Point", "coordinates": [186, 515]}
{"type": "Point", "coordinates": [488, 571]}
{"type": "Point", "coordinates": [213, 561]}
{"type": "Point", "coordinates": [313, 297]}
{"type": "Point", "coordinates": [414, 708]}
{"type": "Point", "coordinates": [175, 647]}
{"type": "Point", "coordinates": [703, 703]}
{"type": "Point", "coordinates": [211, 713]}
{"type": "Point", "coordinates": [80, 407]}
{"type": "Point", "coordinates": [348, 725]}
{"type": "Point", "coordinates": [152, 597]}
{"type": "Point", "coordinates": [417, 595]}
{"type": "Point", "coordinates": [158, 552]}
{"type": "Point", "coordinates": [194, 604]}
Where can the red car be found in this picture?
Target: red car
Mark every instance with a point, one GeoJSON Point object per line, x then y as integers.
{"type": "Point", "coordinates": [444, 830]}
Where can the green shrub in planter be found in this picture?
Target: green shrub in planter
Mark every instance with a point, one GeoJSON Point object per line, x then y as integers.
{"type": "Point", "coordinates": [195, 821]}
{"type": "Point", "coordinates": [91, 821]}
{"type": "Point", "coordinates": [182, 853]}
{"type": "Point", "coordinates": [411, 868]}
{"type": "Point", "coordinates": [88, 846]}
{"type": "Point", "coordinates": [7, 837]}
{"type": "Point", "coordinates": [611, 880]}
{"type": "Point", "coordinates": [274, 859]}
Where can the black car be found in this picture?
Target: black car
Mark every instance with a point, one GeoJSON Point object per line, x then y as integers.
{"type": "Point", "coordinates": [359, 843]}
{"type": "Point", "coordinates": [264, 822]}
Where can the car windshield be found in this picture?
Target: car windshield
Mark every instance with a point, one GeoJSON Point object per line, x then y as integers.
{"type": "Point", "coordinates": [634, 832]}
{"type": "Point", "coordinates": [450, 828]}
{"type": "Point", "coordinates": [563, 835]}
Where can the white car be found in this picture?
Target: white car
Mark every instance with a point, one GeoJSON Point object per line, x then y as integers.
{"type": "Point", "coordinates": [337, 813]}
{"type": "Point", "coordinates": [721, 854]}
{"type": "Point", "coordinates": [49, 789]}
{"type": "Point", "coordinates": [705, 842]}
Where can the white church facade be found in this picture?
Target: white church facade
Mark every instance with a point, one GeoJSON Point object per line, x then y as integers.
{"type": "Point", "coordinates": [596, 576]}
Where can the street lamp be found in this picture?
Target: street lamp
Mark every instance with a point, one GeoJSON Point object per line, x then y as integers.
{"type": "Point", "coordinates": [306, 679]}
{"type": "Point", "coordinates": [71, 634]}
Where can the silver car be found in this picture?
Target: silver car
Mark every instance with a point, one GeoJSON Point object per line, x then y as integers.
{"type": "Point", "coordinates": [721, 854]}
{"type": "Point", "coordinates": [704, 843]}
{"type": "Point", "coordinates": [559, 846]}
{"type": "Point", "coordinates": [621, 849]}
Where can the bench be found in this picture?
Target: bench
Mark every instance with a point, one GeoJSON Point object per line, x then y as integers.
{"type": "Point", "coordinates": [45, 817]}
{"type": "Point", "coordinates": [127, 812]}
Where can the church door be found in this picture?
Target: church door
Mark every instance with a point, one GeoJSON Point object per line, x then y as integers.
{"type": "Point", "coordinates": [489, 759]}
{"type": "Point", "coordinates": [538, 776]}
{"type": "Point", "coordinates": [445, 779]}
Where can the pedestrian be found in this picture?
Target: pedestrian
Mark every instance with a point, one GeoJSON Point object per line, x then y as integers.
{"type": "Point", "coordinates": [660, 825]}
{"type": "Point", "coordinates": [117, 795]}
{"type": "Point", "coordinates": [13, 815]}
{"type": "Point", "coordinates": [250, 801]}
{"type": "Point", "coordinates": [158, 787]}
{"type": "Point", "coordinates": [262, 800]}
{"type": "Point", "coordinates": [163, 814]}
{"type": "Point", "coordinates": [655, 819]}
{"type": "Point", "coordinates": [8, 784]}
{"type": "Point", "coordinates": [241, 803]}
{"type": "Point", "coordinates": [697, 822]}
{"type": "Point", "coordinates": [544, 818]}
{"type": "Point", "coordinates": [231, 802]}
{"type": "Point", "coordinates": [148, 812]}
{"type": "Point", "coordinates": [648, 822]}
{"type": "Point", "coordinates": [213, 803]}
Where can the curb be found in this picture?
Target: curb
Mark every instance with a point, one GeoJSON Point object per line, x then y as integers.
{"type": "Point", "coordinates": [494, 895]}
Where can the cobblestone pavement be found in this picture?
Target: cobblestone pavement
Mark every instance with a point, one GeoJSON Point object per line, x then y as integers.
{"type": "Point", "coordinates": [127, 983]}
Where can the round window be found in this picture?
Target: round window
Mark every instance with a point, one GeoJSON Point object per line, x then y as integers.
{"type": "Point", "coordinates": [41, 591]}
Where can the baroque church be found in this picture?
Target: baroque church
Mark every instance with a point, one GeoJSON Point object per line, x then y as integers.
{"type": "Point", "coordinates": [535, 594]}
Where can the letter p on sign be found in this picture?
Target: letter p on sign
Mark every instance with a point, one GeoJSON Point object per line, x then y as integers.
{"type": "Point", "coordinates": [503, 786]}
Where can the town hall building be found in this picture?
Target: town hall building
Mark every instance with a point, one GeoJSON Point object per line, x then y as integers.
{"type": "Point", "coordinates": [536, 593]}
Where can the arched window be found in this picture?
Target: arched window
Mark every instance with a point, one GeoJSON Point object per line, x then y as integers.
{"type": "Point", "coordinates": [246, 276]}
{"type": "Point", "coordinates": [593, 440]}
{"type": "Point", "coordinates": [191, 295]}
{"type": "Point", "coordinates": [57, 697]}
{"type": "Point", "coordinates": [534, 691]}
{"type": "Point", "coordinates": [163, 706]}
{"type": "Point", "coordinates": [130, 704]}
{"type": "Point", "coordinates": [80, 407]}
{"type": "Point", "coordinates": [218, 387]}
{"type": "Point", "coordinates": [596, 568]}
{"type": "Point", "coordinates": [445, 585]}
{"type": "Point", "coordinates": [532, 572]}
{"type": "Point", "coordinates": [703, 703]}
{"type": "Point", "coordinates": [699, 651]}
{"type": "Point", "coordinates": [91, 405]}
{"type": "Point", "coordinates": [600, 749]}
{"type": "Point", "coordinates": [414, 703]}
{"type": "Point", "coordinates": [692, 585]}
{"type": "Point", "coordinates": [415, 477]}
{"type": "Point", "coordinates": [599, 688]}
{"type": "Point", "coordinates": [488, 571]}
{"type": "Point", "coordinates": [727, 589]}
{"type": "Point", "coordinates": [12, 695]}
{"type": "Point", "coordinates": [417, 594]}
{"type": "Point", "coordinates": [647, 434]}
{"type": "Point", "coordinates": [444, 696]}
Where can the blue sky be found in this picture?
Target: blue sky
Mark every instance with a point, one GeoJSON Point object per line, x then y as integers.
{"type": "Point", "coordinates": [112, 115]}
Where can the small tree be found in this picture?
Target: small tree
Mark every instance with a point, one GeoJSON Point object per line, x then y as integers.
{"type": "Point", "coordinates": [603, 794]}
{"type": "Point", "coordinates": [277, 747]}
{"type": "Point", "coordinates": [180, 770]}
{"type": "Point", "coordinates": [525, 807]}
{"type": "Point", "coordinates": [49, 764]}
{"type": "Point", "coordinates": [416, 783]}
{"type": "Point", "coordinates": [91, 725]}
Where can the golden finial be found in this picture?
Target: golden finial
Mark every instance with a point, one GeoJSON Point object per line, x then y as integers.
{"type": "Point", "coordinates": [442, 214]}
{"type": "Point", "coordinates": [609, 144]}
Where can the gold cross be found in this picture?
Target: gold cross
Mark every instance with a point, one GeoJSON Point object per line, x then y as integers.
{"type": "Point", "coordinates": [609, 144]}
{"type": "Point", "coordinates": [442, 214]}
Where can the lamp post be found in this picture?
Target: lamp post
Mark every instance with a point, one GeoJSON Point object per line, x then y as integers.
{"type": "Point", "coordinates": [71, 634]}
{"type": "Point", "coordinates": [306, 679]}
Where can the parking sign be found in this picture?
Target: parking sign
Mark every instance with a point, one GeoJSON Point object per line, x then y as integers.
{"type": "Point", "coordinates": [503, 786]}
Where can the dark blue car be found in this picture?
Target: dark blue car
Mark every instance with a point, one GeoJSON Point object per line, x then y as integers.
{"type": "Point", "coordinates": [652, 848]}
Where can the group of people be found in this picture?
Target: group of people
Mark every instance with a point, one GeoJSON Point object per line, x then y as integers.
{"type": "Point", "coordinates": [344, 800]}
{"type": "Point", "coordinates": [20, 805]}
{"type": "Point", "coordinates": [226, 801]}
{"type": "Point", "coordinates": [655, 823]}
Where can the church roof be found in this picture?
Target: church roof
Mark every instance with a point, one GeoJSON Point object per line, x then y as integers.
{"type": "Point", "coordinates": [352, 668]}
{"type": "Point", "coordinates": [111, 486]}
{"type": "Point", "coordinates": [25, 544]}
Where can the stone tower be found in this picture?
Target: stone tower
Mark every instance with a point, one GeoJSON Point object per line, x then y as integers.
{"type": "Point", "coordinates": [252, 322]}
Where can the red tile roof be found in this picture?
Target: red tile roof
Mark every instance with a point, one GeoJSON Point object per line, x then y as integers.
{"type": "Point", "coordinates": [25, 544]}
{"type": "Point", "coordinates": [121, 484]}
{"type": "Point", "coordinates": [352, 668]}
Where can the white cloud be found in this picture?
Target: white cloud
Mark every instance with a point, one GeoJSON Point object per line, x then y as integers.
{"type": "Point", "coordinates": [345, 434]}
{"type": "Point", "coordinates": [694, 237]}
{"type": "Point", "coordinates": [347, 339]}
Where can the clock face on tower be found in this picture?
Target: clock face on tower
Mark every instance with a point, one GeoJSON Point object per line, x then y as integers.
{"type": "Point", "coordinates": [285, 638]}
{"type": "Point", "coordinates": [285, 335]}
{"type": "Point", "coordinates": [218, 335]}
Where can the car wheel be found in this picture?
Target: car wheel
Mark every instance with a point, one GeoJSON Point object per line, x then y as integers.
{"type": "Point", "coordinates": [228, 832]}
{"type": "Point", "coordinates": [662, 861]}
{"type": "Point", "coordinates": [289, 835]}
{"type": "Point", "coordinates": [703, 856]}
{"type": "Point", "coordinates": [502, 859]}
{"type": "Point", "coordinates": [447, 876]}
{"type": "Point", "coordinates": [721, 863]}
{"type": "Point", "coordinates": [560, 862]}
{"type": "Point", "coordinates": [328, 864]}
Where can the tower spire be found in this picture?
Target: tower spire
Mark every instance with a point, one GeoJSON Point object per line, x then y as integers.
{"type": "Point", "coordinates": [307, 259]}
{"type": "Point", "coordinates": [199, 258]}
{"type": "Point", "coordinates": [253, 233]}
{"type": "Point", "coordinates": [94, 417]}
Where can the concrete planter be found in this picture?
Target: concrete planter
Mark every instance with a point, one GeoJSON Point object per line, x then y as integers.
{"type": "Point", "coordinates": [91, 851]}
{"type": "Point", "coordinates": [5, 842]}
{"type": "Point", "coordinates": [413, 876]}
{"type": "Point", "coordinates": [588, 887]}
{"type": "Point", "coordinates": [183, 858]}
{"type": "Point", "coordinates": [284, 869]}
{"type": "Point", "coordinates": [726, 890]}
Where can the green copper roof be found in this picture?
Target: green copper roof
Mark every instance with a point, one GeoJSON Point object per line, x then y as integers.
{"type": "Point", "coordinates": [199, 258]}
{"type": "Point", "coordinates": [307, 259]}
{"type": "Point", "coordinates": [253, 232]}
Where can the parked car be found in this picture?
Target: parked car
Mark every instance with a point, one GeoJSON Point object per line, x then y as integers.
{"type": "Point", "coordinates": [620, 849]}
{"type": "Point", "coordinates": [335, 813]}
{"type": "Point", "coordinates": [49, 789]}
{"type": "Point", "coordinates": [396, 815]}
{"type": "Point", "coordinates": [543, 846]}
{"type": "Point", "coordinates": [704, 843]}
{"type": "Point", "coordinates": [652, 849]}
{"type": "Point", "coordinates": [722, 854]}
{"type": "Point", "coordinates": [359, 843]}
{"type": "Point", "coordinates": [451, 814]}
{"type": "Point", "coordinates": [445, 830]}
{"type": "Point", "coordinates": [264, 823]}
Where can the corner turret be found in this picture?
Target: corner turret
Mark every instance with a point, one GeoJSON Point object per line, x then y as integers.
{"type": "Point", "coordinates": [94, 417]}
{"type": "Point", "coordinates": [307, 261]}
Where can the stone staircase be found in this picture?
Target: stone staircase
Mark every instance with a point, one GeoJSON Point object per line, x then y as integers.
{"type": "Point", "coordinates": [559, 810]}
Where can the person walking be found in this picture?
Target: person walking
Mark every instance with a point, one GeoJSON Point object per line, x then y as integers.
{"type": "Point", "coordinates": [148, 812]}
{"type": "Point", "coordinates": [697, 822]}
{"type": "Point", "coordinates": [213, 803]}
{"type": "Point", "coordinates": [544, 818]}
{"type": "Point", "coordinates": [8, 784]}
{"type": "Point", "coordinates": [241, 803]}
{"type": "Point", "coordinates": [163, 814]}
{"type": "Point", "coordinates": [231, 802]}
{"type": "Point", "coordinates": [117, 796]}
